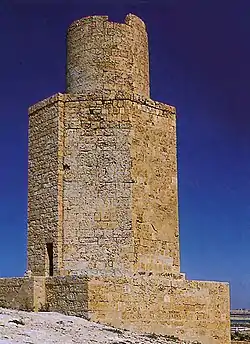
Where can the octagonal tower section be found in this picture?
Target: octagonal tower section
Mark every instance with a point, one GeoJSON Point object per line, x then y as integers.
{"type": "Point", "coordinates": [119, 186]}
{"type": "Point", "coordinates": [102, 162]}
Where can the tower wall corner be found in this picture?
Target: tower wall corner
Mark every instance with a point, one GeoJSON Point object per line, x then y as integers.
{"type": "Point", "coordinates": [23, 293]}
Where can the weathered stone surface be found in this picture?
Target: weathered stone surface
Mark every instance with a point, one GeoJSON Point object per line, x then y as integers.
{"type": "Point", "coordinates": [190, 310]}
{"type": "Point", "coordinates": [73, 291]}
{"type": "Point", "coordinates": [167, 305]}
{"type": "Point", "coordinates": [45, 187]}
{"type": "Point", "coordinates": [102, 55]}
{"type": "Point", "coordinates": [103, 233]}
{"type": "Point", "coordinates": [115, 164]}
{"type": "Point", "coordinates": [22, 293]}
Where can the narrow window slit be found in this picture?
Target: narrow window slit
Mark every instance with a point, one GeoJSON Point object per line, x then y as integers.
{"type": "Point", "coordinates": [50, 258]}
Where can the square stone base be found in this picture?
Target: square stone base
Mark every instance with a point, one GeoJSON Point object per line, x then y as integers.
{"type": "Point", "coordinates": [171, 305]}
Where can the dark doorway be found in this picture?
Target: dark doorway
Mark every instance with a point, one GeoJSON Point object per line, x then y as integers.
{"type": "Point", "coordinates": [50, 257]}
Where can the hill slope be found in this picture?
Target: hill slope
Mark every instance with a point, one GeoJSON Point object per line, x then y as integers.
{"type": "Point", "coordinates": [50, 328]}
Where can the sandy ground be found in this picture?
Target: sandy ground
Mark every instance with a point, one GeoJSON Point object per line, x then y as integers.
{"type": "Point", "coordinates": [49, 328]}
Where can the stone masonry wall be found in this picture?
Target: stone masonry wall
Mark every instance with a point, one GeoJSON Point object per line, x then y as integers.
{"type": "Point", "coordinates": [22, 293]}
{"type": "Point", "coordinates": [97, 188]}
{"type": "Point", "coordinates": [45, 185]}
{"type": "Point", "coordinates": [166, 304]}
{"type": "Point", "coordinates": [102, 198]}
{"type": "Point", "coordinates": [112, 155]}
{"type": "Point", "coordinates": [102, 55]}
{"type": "Point", "coordinates": [121, 158]}
{"type": "Point", "coordinates": [67, 294]}
{"type": "Point", "coordinates": [154, 193]}
{"type": "Point", "coordinates": [190, 310]}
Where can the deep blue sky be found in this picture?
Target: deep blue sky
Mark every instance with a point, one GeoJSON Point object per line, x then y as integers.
{"type": "Point", "coordinates": [199, 55]}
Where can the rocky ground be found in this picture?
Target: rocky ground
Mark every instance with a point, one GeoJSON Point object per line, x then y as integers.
{"type": "Point", "coordinates": [49, 328]}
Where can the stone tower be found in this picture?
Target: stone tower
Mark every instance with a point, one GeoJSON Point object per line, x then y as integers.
{"type": "Point", "coordinates": [103, 237]}
{"type": "Point", "coordinates": [103, 176]}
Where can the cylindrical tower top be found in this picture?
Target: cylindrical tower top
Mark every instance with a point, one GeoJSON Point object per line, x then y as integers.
{"type": "Point", "coordinates": [102, 55]}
